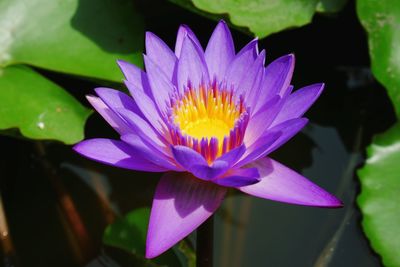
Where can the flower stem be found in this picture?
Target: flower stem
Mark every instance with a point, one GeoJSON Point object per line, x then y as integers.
{"type": "Point", "coordinates": [204, 244]}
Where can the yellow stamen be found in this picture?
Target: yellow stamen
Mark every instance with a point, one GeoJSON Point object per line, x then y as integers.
{"type": "Point", "coordinates": [206, 113]}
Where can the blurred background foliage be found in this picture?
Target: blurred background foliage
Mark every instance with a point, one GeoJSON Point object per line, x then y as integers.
{"type": "Point", "coordinates": [82, 39]}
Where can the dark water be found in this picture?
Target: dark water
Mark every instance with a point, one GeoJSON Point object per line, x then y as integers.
{"type": "Point", "coordinates": [57, 204]}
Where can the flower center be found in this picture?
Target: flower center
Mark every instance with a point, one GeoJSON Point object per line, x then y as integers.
{"type": "Point", "coordinates": [208, 119]}
{"type": "Point", "coordinates": [207, 113]}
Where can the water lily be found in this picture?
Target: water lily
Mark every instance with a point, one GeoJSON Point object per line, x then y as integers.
{"type": "Point", "coordinates": [208, 118]}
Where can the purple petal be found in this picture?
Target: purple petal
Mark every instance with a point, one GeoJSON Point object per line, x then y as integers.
{"type": "Point", "coordinates": [142, 128]}
{"type": "Point", "coordinates": [262, 120]}
{"type": "Point", "coordinates": [147, 151]}
{"type": "Point", "coordinates": [115, 99]}
{"type": "Point", "coordinates": [113, 119]}
{"type": "Point", "coordinates": [115, 153]}
{"type": "Point", "coordinates": [299, 102]}
{"type": "Point", "coordinates": [191, 66]}
{"type": "Point", "coordinates": [220, 51]}
{"type": "Point", "coordinates": [148, 108]}
{"type": "Point", "coordinates": [133, 74]}
{"type": "Point", "coordinates": [251, 83]}
{"type": "Point", "coordinates": [195, 163]}
{"type": "Point", "coordinates": [258, 149]}
{"type": "Point", "coordinates": [181, 204]}
{"type": "Point", "coordinates": [282, 184]}
{"type": "Point", "coordinates": [238, 177]}
{"type": "Point", "coordinates": [184, 31]}
{"type": "Point", "coordinates": [277, 78]}
{"type": "Point", "coordinates": [289, 129]}
{"type": "Point", "coordinates": [160, 53]}
{"type": "Point", "coordinates": [241, 64]}
{"type": "Point", "coordinates": [160, 84]}
{"type": "Point", "coordinates": [280, 133]}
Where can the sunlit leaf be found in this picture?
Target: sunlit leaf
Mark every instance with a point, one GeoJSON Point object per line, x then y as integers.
{"type": "Point", "coordinates": [379, 198]}
{"type": "Point", "coordinates": [381, 19]}
{"type": "Point", "coordinates": [262, 17]}
{"type": "Point", "coordinates": [78, 37]}
{"type": "Point", "coordinates": [38, 107]}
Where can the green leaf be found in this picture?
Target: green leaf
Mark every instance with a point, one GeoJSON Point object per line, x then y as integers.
{"type": "Point", "coordinates": [129, 233]}
{"type": "Point", "coordinates": [71, 36]}
{"type": "Point", "coordinates": [331, 6]}
{"type": "Point", "coordinates": [38, 107]}
{"type": "Point", "coordinates": [381, 19]}
{"type": "Point", "coordinates": [262, 17]}
{"type": "Point", "coordinates": [379, 198]}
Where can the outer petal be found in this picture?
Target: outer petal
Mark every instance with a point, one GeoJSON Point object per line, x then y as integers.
{"type": "Point", "coordinates": [272, 139]}
{"type": "Point", "coordinates": [191, 66]}
{"type": "Point", "coordinates": [277, 78]}
{"type": "Point", "coordinates": [161, 86]}
{"type": "Point", "coordinates": [148, 108]}
{"type": "Point", "coordinates": [299, 102]}
{"type": "Point", "coordinates": [143, 128]}
{"type": "Point", "coordinates": [181, 204]}
{"type": "Point", "coordinates": [282, 184]}
{"type": "Point", "coordinates": [238, 177]}
{"type": "Point", "coordinates": [262, 120]}
{"type": "Point", "coordinates": [250, 85]}
{"type": "Point", "coordinates": [147, 151]}
{"type": "Point", "coordinates": [159, 52]}
{"type": "Point", "coordinates": [220, 51]}
{"type": "Point", "coordinates": [115, 153]}
{"type": "Point", "coordinates": [242, 63]}
{"type": "Point", "coordinates": [116, 99]}
{"type": "Point", "coordinates": [184, 31]}
{"type": "Point", "coordinates": [113, 119]}
{"type": "Point", "coordinates": [136, 76]}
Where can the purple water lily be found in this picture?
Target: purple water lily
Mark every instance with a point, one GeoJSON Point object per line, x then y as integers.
{"type": "Point", "coordinates": [208, 118]}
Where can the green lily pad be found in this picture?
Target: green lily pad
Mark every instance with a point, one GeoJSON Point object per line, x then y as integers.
{"type": "Point", "coordinates": [129, 233]}
{"type": "Point", "coordinates": [71, 36]}
{"type": "Point", "coordinates": [379, 198]}
{"type": "Point", "coordinates": [381, 19]}
{"type": "Point", "coordinates": [262, 17]}
{"type": "Point", "coordinates": [38, 107]}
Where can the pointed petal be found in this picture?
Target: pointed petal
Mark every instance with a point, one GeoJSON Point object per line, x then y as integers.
{"type": "Point", "coordinates": [252, 78]}
{"type": "Point", "coordinates": [262, 120]}
{"type": "Point", "coordinates": [220, 51]}
{"type": "Point", "coordinates": [191, 66]}
{"type": "Point", "coordinates": [272, 139]}
{"type": "Point", "coordinates": [147, 151]}
{"type": "Point", "coordinates": [238, 177]}
{"type": "Point", "coordinates": [148, 108]}
{"type": "Point", "coordinates": [180, 205]}
{"type": "Point", "coordinates": [241, 64]}
{"type": "Point", "coordinates": [282, 184]}
{"type": "Point", "coordinates": [277, 78]}
{"type": "Point", "coordinates": [184, 31]}
{"type": "Point", "coordinates": [160, 53]}
{"type": "Point", "coordinates": [142, 128]}
{"type": "Point", "coordinates": [136, 76]}
{"type": "Point", "coordinates": [161, 86]}
{"type": "Point", "coordinates": [115, 153]}
{"type": "Point", "coordinates": [115, 99]}
{"type": "Point", "coordinates": [299, 102]}
{"type": "Point", "coordinates": [257, 150]}
{"type": "Point", "coordinates": [113, 119]}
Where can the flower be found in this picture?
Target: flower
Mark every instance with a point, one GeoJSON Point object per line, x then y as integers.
{"type": "Point", "coordinates": [208, 118]}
